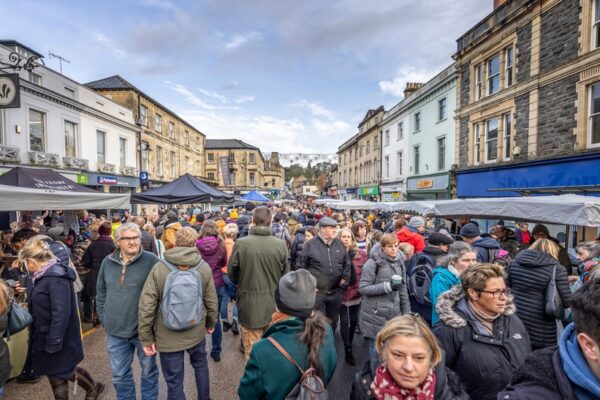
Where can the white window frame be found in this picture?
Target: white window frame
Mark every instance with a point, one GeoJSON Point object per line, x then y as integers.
{"type": "Point", "coordinates": [400, 130]}
{"type": "Point", "coordinates": [417, 119]}
{"type": "Point", "coordinates": [145, 156]}
{"type": "Point", "coordinates": [488, 140]}
{"type": "Point", "coordinates": [416, 159]}
{"type": "Point", "coordinates": [44, 123]}
{"type": "Point", "coordinates": [591, 117]}
{"type": "Point", "coordinates": [252, 158]}
{"type": "Point", "coordinates": [173, 164]}
{"type": "Point", "coordinates": [509, 64]}
{"type": "Point", "coordinates": [75, 138]}
{"type": "Point", "coordinates": [171, 130]}
{"type": "Point", "coordinates": [2, 119]}
{"type": "Point", "coordinates": [477, 143]}
{"type": "Point", "coordinates": [102, 133]}
{"type": "Point", "coordinates": [186, 137]}
{"type": "Point", "coordinates": [387, 166]}
{"type": "Point", "coordinates": [399, 159]}
{"type": "Point", "coordinates": [144, 115]}
{"type": "Point", "coordinates": [441, 155]}
{"type": "Point", "coordinates": [122, 151]}
{"type": "Point", "coordinates": [442, 109]}
{"type": "Point", "coordinates": [158, 123]}
{"type": "Point", "coordinates": [479, 81]}
{"type": "Point", "coordinates": [491, 77]}
{"type": "Point", "coordinates": [507, 136]}
{"type": "Point", "coordinates": [386, 137]}
{"type": "Point", "coordinates": [210, 157]}
{"type": "Point", "coordinates": [252, 179]}
{"type": "Point", "coordinates": [596, 24]}
{"type": "Point", "coordinates": [159, 162]}
{"type": "Point", "coordinates": [35, 78]}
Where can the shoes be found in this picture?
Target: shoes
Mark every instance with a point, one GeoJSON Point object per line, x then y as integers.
{"type": "Point", "coordinates": [226, 326]}
{"type": "Point", "coordinates": [96, 392]}
{"type": "Point", "coordinates": [234, 328]}
{"type": "Point", "coordinates": [23, 378]}
{"type": "Point", "coordinates": [350, 356]}
{"type": "Point", "coordinates": [216, 357]}
{"type": "Point", "coordinates": [242, 347]}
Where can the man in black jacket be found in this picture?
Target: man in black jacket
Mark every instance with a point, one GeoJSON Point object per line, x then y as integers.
{"type": "Point", "coordinates": [328, 261]}
{"type": "Point", "coordinates": [571, 370]}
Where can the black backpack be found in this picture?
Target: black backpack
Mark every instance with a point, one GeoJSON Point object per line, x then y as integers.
{"type": "Point", "coordinates": [419, 279]}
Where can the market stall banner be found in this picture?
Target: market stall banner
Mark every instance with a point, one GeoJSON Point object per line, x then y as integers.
{"type": "Point", "coordinates": [224, 161]}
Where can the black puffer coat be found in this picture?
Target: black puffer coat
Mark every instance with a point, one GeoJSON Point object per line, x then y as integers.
{"type": "Point", "coordinates": [296, 249]}
{"type": "Point", "coordinates": [528, 276]}
{"type": "Point", "coordinates": [93, 257]}
{"type": "Point", "coordinates": [484, 363]}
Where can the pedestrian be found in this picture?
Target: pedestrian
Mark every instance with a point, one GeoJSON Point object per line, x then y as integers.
{"type": "Point", "coordinates": [156, 335]}
{"type": "Point", "coordinates": [482, 337]}
{"type": "Point", "coordinates": [243, 221]}
{"type": "Point", "coordinates": [460, 256]}
{"type": "Point", "coordinates": [280, 230]}
{"type": "Point", "coordinates": [92, 259]}
{"type": "Point", "coordinates": [541, 232]}
{"type": "Point", "coordinates": [116, 222]}
{"type": "Point", "coordinates": [328, 261]}
{"type": "Point", "coordinates": [172, 225]}
{"type": "Point", "coordinates": [528, 277]}
{"type": "Point", "coordinates": [160, 247]}
{"type": "Point", "coordinates": [413, 233]}
{"type": "Point", "coordinates": [148, 242]}
{"type": "Point", "coordinates": [362, 235]}
{"type": "Point", "coordinates": [301, 331]}
{"type": "Point", "coordinates": [588, 255]}
{"type": "Point", "coordinates": [297, 247]}
{"type": "Point", "coordinates": [384, 292]}
{"type": "Point", "coordinates": [120, 282]}
{"type": "Point", "coordinates": [522, 235]}
{"type": "Point", "coordinates": [412, 363]}
{"type": "Point", "coordinates": [55, 331]}
{"type": "Point", "coordinates": [230, 232]}
{"type": "Point", "coordinates": [213, 251]}
{"type": "Point", "coordinates": [486, 247]}
{"type": "Point", "coordinates": [6, 296]}
{"type": "Point", "coordinates": [351, 297]}
{"type": "Point", "coordinates": [568, 371]}
{"type": "Point", "coordinates": [257, 263]}
{"type": "Point", "coordinates": [293, 225]}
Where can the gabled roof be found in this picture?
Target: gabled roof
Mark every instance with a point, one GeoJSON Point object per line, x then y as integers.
{"type": "Point", "coordinates": [219, 144]}
{"type": "Point", "coordinates": [14, 43]}
{"type": "Point", "coordinates": [370, 114]}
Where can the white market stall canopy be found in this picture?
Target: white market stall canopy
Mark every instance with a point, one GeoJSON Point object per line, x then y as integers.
{"type": "Point", "coordinates": [356, 205]}
{"type": "Point", "coordinates": [567, 209]}
{"type": "Point", "coordinates": [14, 198]}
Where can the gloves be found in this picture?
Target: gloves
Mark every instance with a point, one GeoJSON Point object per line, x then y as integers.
{"type": "Point", "coordinates": [395, 286]}
{"type": "Point", "coordinates": [344, 284]}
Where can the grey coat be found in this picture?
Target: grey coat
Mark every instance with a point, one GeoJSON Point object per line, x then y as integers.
{"type": "Point", "coordinates": [380, 303]}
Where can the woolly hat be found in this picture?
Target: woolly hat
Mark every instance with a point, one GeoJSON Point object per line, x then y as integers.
{"type": "Point", "coordinates": [296, 293]}
{"type": "Point", "coordinates": [250, 206]}
{"type": "Point", "coordinates": [104, 229]}
{"type": "Point", "coordinates": [233, 214]}
{"type": "Point", "coordinates": [470, 230]}
{"type": "Point", "coordinates": [539, 228]}
{"type": "Point", "coordinates": [436, 239]}
{"type": "Point", "coordinates": [416, 222]}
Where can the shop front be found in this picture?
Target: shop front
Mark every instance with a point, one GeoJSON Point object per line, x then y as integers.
{"type": "Point", "coordinates": [348, 193]}
{"type": "Point", "coordinates": [109, 183]}
{"type": "Point", "coordinates": [575, 174]}
{"type": "Point", "coordinates": [393, 192]}
{"type": "Point", "coordinates": [429, 187]}
{"type": "Point", "coordinates": [370, 193]}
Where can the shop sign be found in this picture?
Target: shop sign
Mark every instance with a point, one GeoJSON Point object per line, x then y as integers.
{"type": "Point", "coordinates": [143, 176]}
{"type": "Point", "coordinates": [107, 180]}
{"type": "Point", "coordinates": [10, 96]}
{"type": "Point", "coordinates": [425, 184]}
{"type": "Point", "coordinates": [392, 196]}
{"type": "Point", "coordinates": [368, 191]}
{"type": "Point", "coordinates": [82, 179]}
{"type": "Point", "coordinates": [432, 182]}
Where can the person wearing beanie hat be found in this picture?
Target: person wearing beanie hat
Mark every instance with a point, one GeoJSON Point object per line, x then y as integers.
{"type": "Point", "coordinates": [294, 318]}
{"type": "Point", "coordinates": [412, 233]}
{"type": "Point", "coordinates": [541, 232]}
{"type": "Point", "coordinates": [487, 248]}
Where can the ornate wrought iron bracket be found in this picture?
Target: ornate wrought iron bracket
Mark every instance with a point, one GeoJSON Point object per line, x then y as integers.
{"type": "Point", "coordinates": [18, 63]}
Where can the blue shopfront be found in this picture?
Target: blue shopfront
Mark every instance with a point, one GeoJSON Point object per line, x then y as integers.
{"type": "Point", "coordinates": [576, 174]}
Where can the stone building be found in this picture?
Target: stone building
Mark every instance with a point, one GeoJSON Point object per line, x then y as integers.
{"type": "Point", "coordinates": [359, 159]}
{"type": "Point", "coordinates": [528, 99]}
{"type": "Point", "coordinates": [239, 167]}
{"type": "Point", "coordinates": [168, 146]}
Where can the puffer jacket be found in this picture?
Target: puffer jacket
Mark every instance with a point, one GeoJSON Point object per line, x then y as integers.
{"type": "Point", "coordinates": [528, 276]}
{"type": "Point", "coordinates": [484, 363]}
{"type": "Point", "coordinates": [380, 303]}
{"type": "Point", "coordinates": [328, 263]}
{"type": "Point", "coordinates": [484, 246]}
{"type": "Point", "coordinates": [171, 228]}
{"type": "Point", "coordinates": [443, 279]}
{"type": "Point", "coordinates": [408, 235]}
{"type": "Point", "coordinates": [213, 252]}
{"type": "Point", "coordinates": [296, 249]}
{"type": "Point", "coordinates": [358, 261]}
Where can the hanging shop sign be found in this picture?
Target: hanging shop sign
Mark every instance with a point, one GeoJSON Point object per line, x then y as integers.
{"type": "Point", "coordinates": [10, 91]}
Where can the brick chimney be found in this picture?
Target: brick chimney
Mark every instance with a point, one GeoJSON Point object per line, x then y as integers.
{"type": "Point", "coordinates": [498, 3]}
{"type": "Point", "coordinates": [411, 87]}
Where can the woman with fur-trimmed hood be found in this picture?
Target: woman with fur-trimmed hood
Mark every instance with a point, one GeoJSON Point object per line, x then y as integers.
{"type": "Point", "coordinates": [484, 340]}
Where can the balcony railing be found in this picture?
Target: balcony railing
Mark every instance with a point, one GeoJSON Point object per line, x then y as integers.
{"type": "Point", "coordinates": [77, 163]}
{"type": "Point", "coordinates": [128, 171]}
{"type": "Point", "coordinates": [106, 168]}
{"type": "Point", "coordinates": [41, 158]}
{"type": "Point", "coordinates": [9, 154]}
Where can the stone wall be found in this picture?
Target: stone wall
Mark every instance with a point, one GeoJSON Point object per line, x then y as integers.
{"type": "Point", "coordinates": [463, 144]}
{"type": "Point", "coordinates": [559, 35]}
{"type": "Point", "coordinates": [522, 122]}
{"type": "Point", "coordinates": [557, 117]}
{"type": "Point", "coordinates": [524, 53]}
{"type": "Point", "coordinates": [465, 84]}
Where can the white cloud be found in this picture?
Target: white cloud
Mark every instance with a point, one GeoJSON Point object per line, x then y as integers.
{"type": "Point", "coordinates": [164, 4]}
{"type": "Point", "coordinates": [244, 99]}
{"type": "Point", "coordinates": [108, 43]}
{"type": "Point", "coordinates": [189, 96]}
{"type": "Point", "coordinates": [240, 40]}
{"type": "Point", "coordinates": [213, 95]}
{"type": "Point", "coordinates": [315, 108]}
{"type": "Point", "coordinates": [396, 86]}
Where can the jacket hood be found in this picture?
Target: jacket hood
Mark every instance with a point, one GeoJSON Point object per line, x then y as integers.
{"type": "Point", "coordinates": [576, 367]}
{"type": "Point", "coordinates": [444, 273]}
{"type": "Point", "coordinates": [487, 242]}
{"type": "Point", "coordinates": [208, 245]}
{"type": "Point", "coordinates": [292, 222]}
{"type": "Point", "coordinates": [179, 256]}
{"type": "Point", "coordinates": [60, 270]}
{"type": "Point", "coordinates": [405, 234]}
{"type": "Point", "coordinates": [449, 310]}
{"type": "Point", "coordinates": [534, 259]}
{"type": "Point", "coordinates": [292, 325]}
{"type": "Point", "coordinates": [173, 225]}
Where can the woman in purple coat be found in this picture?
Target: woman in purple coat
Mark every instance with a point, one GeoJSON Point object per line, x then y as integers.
{"type": "Point", "coordinates": [213, 251]}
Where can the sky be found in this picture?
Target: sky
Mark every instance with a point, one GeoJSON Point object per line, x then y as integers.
{"type": "Point", "coordinates": [284, 75]}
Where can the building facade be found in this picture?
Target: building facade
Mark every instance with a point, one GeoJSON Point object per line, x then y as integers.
{"type": "Point", "coordinates": [168, 145]}
{"type": "Point", "coordinates": [239, 167]}
{"type": "Point", "coordinates": [418, 141]}
{"type": "Point", "coordinates": [64, 125]}
{"type": "Point", "coordinates": [359, 160]}
{"type": "Point", "coordinates": [528, 99]}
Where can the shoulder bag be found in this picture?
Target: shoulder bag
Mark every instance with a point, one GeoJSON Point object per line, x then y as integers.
{"type": "Point", "coordinates": [18, 319]}
{"type": "Point", "coordinates": [554, 305]}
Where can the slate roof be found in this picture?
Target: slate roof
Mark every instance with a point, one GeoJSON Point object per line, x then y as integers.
{"type": "Point", "coordinates": [218, 144]}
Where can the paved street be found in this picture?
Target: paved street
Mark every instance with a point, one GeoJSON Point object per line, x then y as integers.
{"type": "Point", "coordinates": [224, 376]}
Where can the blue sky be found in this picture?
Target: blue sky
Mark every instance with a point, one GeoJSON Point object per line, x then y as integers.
{"type": "Point", "coordinates": [288, 76]}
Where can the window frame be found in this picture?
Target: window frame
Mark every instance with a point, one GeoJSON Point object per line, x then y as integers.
{"type": "Point", "coordinates": [416, 159]}
{"type": "Point", "coordinates": [173, 164]}
{"type": "Point", "coordinates": [591, 116]}
{"type": "Point", "coordinates": [75, 138]}
{"type": "Point", "coordinates": [159, 162]}
{"type": "Point", "coordinates": [488, 140]}
{"type": "Point", "coordinates": [441, 155]}
{"type": "Point", "coordinates": [386, 137]}
{"type": "Point", "coordinates": [44, 128]}
{"type": "Point", "coordinates": [122, 151]}
{"type": "Point", "coordinates": [477, 143]}
{"type": "Point", "coordinates": [158, 123]}
{"type": "Point", "coordinates": [490, 77]}
{"type": "Point", "coordinates": [442, 109]}
{"type": "Point", "coordinates": [144, 115]}
{"type": "Point", "coordinates": [479, 81]}
{"type": "Point", "coordinates": [400, 131]}
{"type": "Point", "coordinates": [35, 78]}
{"type": "Point", "coordinates": [210, 175]}
{"type": "Point", "coordinates": [400, 160]}
{"type": "Point", "coordinates": [507, 136]}
{"type": "Point", "coordinates": [252, 158]}
{"type": "Point", "coordinates": [101, 133]}
{"type": "Point", "coordinates": [171, 130]}
{"type": "Point", "coordinates": [145, 156]}
{"type": "Point", "coordinates": [509, 68]}
{"type": "Point", "coordinates": [595, 42]}
{"type": "Point", "coordinates": [387, 166]}
{"type": "Point", "coordinates": [417, 120]}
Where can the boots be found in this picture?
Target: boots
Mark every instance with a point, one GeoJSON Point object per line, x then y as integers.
{"type": "Point", "coordinates": [93, 389]}
{"type": "Point", "coordinates": [60, 388]}
{"type": "Point", "coordinates": [234, 327]}
{"type": "Point", "coordinates": [350, 356]}
{"type": "Point", "coordinates": [226, 326]}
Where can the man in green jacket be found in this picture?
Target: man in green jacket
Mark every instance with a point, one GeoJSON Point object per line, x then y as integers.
{"type": "Point", "coordinates": [171, 344]}
{"type": "Point", "coordinates": [256, 264]}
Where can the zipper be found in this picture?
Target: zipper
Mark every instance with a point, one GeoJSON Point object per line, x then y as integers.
{"type": "Point", "coordinates": [123, 269]}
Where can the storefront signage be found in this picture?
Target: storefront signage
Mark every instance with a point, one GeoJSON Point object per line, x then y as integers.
{"type": "Point", "coordinates": [368, 191]}
{"type": "Point", "coordinates": [424, 184]}
{"type": "Point", "coordinates": [10, 96]}
{"type": "Point", "coordinates": [82, 179]}
{"type": "Point", "coordinates": [143, 176]}
{"type": "Point", "coordinates": [107, 180]}
{"type": "Point", "coordinates": [224, 162]}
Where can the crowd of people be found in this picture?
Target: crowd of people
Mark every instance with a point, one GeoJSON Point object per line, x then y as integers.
{"type": "Point", "coordinates": [447, 311]}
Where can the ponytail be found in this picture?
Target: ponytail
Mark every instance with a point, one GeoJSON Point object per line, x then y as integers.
{"type": "Point", "coordinates": [313, 335]}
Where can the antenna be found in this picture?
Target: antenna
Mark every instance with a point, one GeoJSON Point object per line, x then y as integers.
{"type": "Point", "coordinates": [60, 59]}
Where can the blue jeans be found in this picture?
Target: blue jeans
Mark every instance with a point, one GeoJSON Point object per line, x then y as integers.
{"type": "Point", "coordinates": [229, 295]}
{"type": "Point", "coordinates": [373, 356]}
{"type": "Point", "coordinates": [218, 333]}
{"type": "Point", "coordinates": [173, 371]}
{"type": "Point", "coordinates": [120, 356]}
{"type": "Point", "coordinates": [1, 391]}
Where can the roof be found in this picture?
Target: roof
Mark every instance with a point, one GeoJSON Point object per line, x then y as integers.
{"type": "Point", "coordinates": [370, 114]}
{"type": "Point", "coordinates": [117, 82]}
{"type": "Point", "coordinates": [216, 144]}
{"type": "Point", "coordinates": [13, 43]}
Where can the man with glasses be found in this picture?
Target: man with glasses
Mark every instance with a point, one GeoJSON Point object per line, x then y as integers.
{"type": "Point", "coordinates": [120, 281]}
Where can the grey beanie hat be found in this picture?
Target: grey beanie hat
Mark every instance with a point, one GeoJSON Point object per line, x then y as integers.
{"type": "Point", "coordinates": [296, 293]}
{"type": "Point", "coordinates": [416, 222]}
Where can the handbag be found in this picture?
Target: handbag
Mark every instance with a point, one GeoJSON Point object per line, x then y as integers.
{"type": "Point", "coordinates": [310, 387]}
{"type": "Point", "coordinates": [361, 385]}
{"type": "Point", "coordinates": [554, 305]}
{"type": "Point", "coordinates": [18, 319]}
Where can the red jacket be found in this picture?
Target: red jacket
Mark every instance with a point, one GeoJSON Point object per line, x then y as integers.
{"type": "Point", "coordinates": [351, 292]}
{"type": "Point", "coordinates": [405, 235]}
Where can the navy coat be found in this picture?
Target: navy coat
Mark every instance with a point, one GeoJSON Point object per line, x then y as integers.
{"type": "Point", "coordinates": [55, 341]}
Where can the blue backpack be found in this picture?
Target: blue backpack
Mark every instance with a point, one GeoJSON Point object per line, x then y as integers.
{"type": "Point", "coordinates": [182, 307]}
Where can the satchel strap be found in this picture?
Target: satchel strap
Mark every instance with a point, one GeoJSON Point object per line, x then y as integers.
{"type": "Point", "coordinates": [285, 354]}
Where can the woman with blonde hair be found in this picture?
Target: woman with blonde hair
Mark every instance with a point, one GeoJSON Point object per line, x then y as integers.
{"type": "Point", "coordinates": [412, 363]}
{"type": "Point", "coordinates": [55, 331]}
{"type": "Point", "coordinates": [528, 277]}
{"type": "Point", "coordinates": [160, 247]}
{"type": "Point", "coordinates": [5, 298]}
{"type": "Point", "coordinates": [230, 232]}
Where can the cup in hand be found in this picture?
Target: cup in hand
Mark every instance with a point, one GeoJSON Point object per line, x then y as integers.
{"type": "Point", "coordinates": [396, 279]}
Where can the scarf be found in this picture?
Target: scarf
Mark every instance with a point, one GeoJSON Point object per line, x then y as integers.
{"type": "Point", "coordinates": [585, 384]}
{"type": "Point", "coordinates": [278, 316]}
{"type": "Point", "coordinates": [486, 320]}
{"type": "Point", "coordinates": [40, 272]}
{"type": "Point", "coordinates": [454, 271]}
{"type": "Point", "coordinates": [385, 388]}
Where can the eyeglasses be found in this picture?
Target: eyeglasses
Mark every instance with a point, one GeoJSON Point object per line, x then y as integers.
{"type": "Point", "coordinates": [129, 239]}
{"type": "Point", "coordinates": [498, 293]}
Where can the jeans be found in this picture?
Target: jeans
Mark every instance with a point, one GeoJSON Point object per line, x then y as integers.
{"type": "Point", "coordinates": [348, 322]}
{"type": "Point", "coordinates": [120, 356]}
{"type": "Point", "coordinates": [329, 304]}
{"type": "Point", "coordinates": [1, 392]}
{"type": "Point", "coordinates": [172, 369]}
{"type": "Point", "coordinates": [373, 355]}
{"type": "Point", "coordinates": [225, 302]}
{"type": "Point", "coordinates": [217, 335]}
